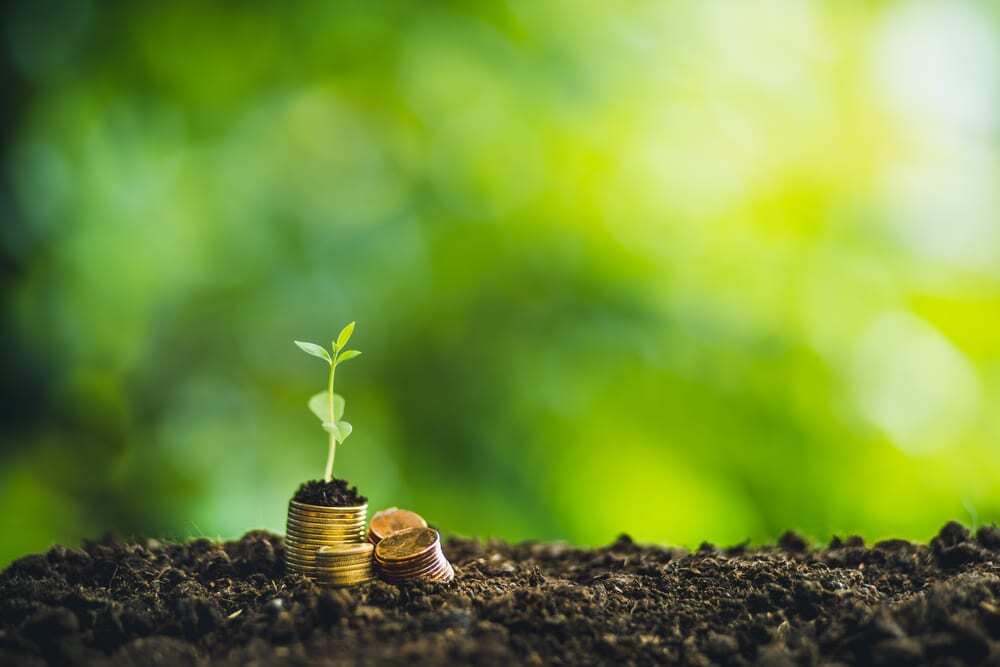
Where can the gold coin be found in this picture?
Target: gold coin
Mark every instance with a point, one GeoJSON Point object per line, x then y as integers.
{"type": "Point", "coordinates": [407, 544]}
{"type": "Point", "coordinates": [312, 550]}
{"type": "Point", "coordinates": [314, 571]}
{"type": "Point", "coordinates": [310, 559]}
{"type": "Point", "coordinates": [323, 534]}
{"type": "Point", "coordinates": [332, 532]}
{"type": "Point", "coordinates": [347, 550]}
{"type": "Point", "coordinates": [326, 516]}
{"type": "Point", "coordinates": [309, 548]}
{"type": "Point", "coordinates": [342, 574]}
{"type": "Point", "coordinates": [315, 522]}
{"type": "Point", "coordinates": [414, 573]}
{"type": "Point", "coordinates": [342, 569]}
{"type": "Point", "coordinates": [295, 530]}
{"type": "Point", "coordinates": [344, 584]}
{"type": "Point", "coordinates": [294, 505]}
{"type": "Point", "coordinates": [325, 540]}
{"type": "Point", "coordinates": [332, 539]}
{"type": "Point", "coordinates": [300, 552]}
{"type": "Point", "coordinates": [393, 520]}
{"type": "Point", "coordinates": [324, 523]}
{"type": "Point", "coordinates": [411, 564]}
{"type": "Point", "coordinates": [409, 571]}
{"type": "Point", "coordinates": [353, 581]}
{"type": "Point", "coordinates": [442, 572]}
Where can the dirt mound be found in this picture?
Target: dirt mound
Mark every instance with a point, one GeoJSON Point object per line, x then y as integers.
{"type": "Point", "coordinates": [335, 493]}
{"type": "Point", "coordinates": [122, 603]}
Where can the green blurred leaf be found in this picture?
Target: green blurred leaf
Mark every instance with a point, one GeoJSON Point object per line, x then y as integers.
{"type": "Point", "coordinates": [345, 430]}
{"type": "Point", "coordinates": [315, 350]}
{"type": "Point", "coordinates": [340, 430]}
{"type": "Point", "coordinates": [321, 408]}
{"type": "Point", "coordinates": [347, 355]}
{"type": "Point", "coordinates": [345, 335]}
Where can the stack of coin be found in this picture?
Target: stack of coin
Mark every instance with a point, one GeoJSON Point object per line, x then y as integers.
{"type": "Point", "coordinates": [313, 526]}
{"type": "Point", "coordinates": [393, 520]}
{"type": "Point", "coordinates": [345, 565]}
{"type": "Point", "coordinates": [413, 553]}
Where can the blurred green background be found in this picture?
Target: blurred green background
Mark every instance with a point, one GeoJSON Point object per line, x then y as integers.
{"type": "Point", "coordinates": [686, 270]}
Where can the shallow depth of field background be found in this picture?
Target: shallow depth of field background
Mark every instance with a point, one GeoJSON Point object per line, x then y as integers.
{"type": "Point", "coordinates": [685, 270]}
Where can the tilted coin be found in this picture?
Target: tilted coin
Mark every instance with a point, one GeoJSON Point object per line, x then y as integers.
{"type": "Point", "coordinates": [393, 520]}
{"type": "Point", "coordinates": [423, 570]}
{"type": "Point", "coordinates": [407, 544]}
{"type": "Point", "coordinates": [433, 570]}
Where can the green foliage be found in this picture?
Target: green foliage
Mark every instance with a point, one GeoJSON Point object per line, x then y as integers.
{"type": "Point", "coordinates": [328, 405]}
{"type": "Point", "coordinates": [319, 404]}
{"type": "Point", "coordinates": [347, 355]}
{"type": "Point", "coordinates": [315, 350]}
{"type": "Point", "coordinates": [345, 335]}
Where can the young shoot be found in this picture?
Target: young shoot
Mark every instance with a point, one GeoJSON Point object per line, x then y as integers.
{"type": "Point", "coordinates": [326, 405]}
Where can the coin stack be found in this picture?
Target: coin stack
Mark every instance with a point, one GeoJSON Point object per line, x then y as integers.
{"type": "Point", "coordinates": [313, 526]}
{"type": "Point", "coordinates": [345, 565]}
{"type": "Point", "coordinates": [413, 553]}
{"type": "Point", "coordinates": [393, 520]}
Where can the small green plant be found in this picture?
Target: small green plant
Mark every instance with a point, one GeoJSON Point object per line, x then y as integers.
{"type": "Point", "coordinates": [326, 405]}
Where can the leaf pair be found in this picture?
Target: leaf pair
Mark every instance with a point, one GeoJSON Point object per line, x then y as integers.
{"type": "Point", "coordinates": [320, 406]}
{"type": "Point", "coordinates": [321, 352]}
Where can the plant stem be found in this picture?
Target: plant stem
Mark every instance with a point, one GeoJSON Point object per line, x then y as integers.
{"type": "Point", "coordinates": [328, 476]}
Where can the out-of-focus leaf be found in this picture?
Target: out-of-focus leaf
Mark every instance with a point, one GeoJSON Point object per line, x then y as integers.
{"type": "Point", "coordinates": [315, 350]}
{"type": "Point", "coordinates": [347, 355]}
{"type": "Point", "coordinates": [340, 430]}
{"type": "Point", "coordinates": [320, 406]}
{"type": "Point", "coordinates": [345, 335]}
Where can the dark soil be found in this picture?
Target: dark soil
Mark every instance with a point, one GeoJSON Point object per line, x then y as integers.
{"type": "Point", "coordinates": [335, 493]}
{"type": "Point", "coordinates": [895, 603]}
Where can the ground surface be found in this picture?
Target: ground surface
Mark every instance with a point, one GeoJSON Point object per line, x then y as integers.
{"type": "Point", "coordinates": [146, 604]}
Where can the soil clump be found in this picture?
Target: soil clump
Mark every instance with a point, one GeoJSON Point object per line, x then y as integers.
{"type": "Point", "coordinates": [335, 493]}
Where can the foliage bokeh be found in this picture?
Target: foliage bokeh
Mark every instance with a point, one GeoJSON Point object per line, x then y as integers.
{"type": "Point", "coordinates": [685, 270]}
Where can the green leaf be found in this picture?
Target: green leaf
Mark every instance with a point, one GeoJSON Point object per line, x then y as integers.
{"type": "Point", "coordinates": [320, 406]}
{"type": "Point", "coordinates": [345, 430]}
{"type": "Point", "coordinates": [341, 430]}
{"type": "Point", "coordinates": [347, 355]}
{"type": "Point", "coordinates": [315, 350]}
{"type": "Point", "coordinates": [345, 335]}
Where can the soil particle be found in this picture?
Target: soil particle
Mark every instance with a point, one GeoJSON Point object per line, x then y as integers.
{"type": "Point", "coordinates": [335, 493]}
{"type": "Point", "coordinates": [157, 603]}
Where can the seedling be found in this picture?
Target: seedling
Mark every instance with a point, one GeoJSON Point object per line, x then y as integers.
{"type": "Point", "coordinates": [326, 405]}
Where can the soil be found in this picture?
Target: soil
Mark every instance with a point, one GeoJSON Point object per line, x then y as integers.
{"type": "Point", "coordinates": [335, 493]}
{"type": "Point", "coordinates": [125, 603]}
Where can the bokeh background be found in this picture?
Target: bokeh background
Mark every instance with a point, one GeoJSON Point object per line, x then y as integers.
{"type": "Point", "coordinates": [686, 270]}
